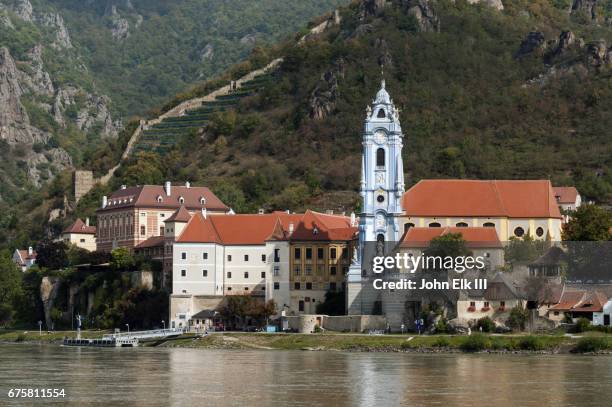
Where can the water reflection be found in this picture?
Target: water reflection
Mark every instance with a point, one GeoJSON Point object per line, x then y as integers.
{"type": "Point", "coordinates": [179, 377]}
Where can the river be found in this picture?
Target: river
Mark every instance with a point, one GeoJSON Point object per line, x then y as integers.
{"type": "Point", "coordinates": [184, 377]}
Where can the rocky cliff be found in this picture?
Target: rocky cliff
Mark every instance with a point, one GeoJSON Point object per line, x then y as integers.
{"type": "Point", "coordinates": [39, 109]}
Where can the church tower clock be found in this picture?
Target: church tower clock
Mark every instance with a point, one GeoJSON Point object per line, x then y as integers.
{"type": "Point", "coordinates": [381, 189]}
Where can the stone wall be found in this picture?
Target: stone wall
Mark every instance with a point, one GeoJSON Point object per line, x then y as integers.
{"type": "Point", "coordinates": [342, 323]}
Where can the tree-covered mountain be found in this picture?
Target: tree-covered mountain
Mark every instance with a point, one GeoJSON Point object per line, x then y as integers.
{"type": "Point", "coordinates": [72, 72]}
{"type": "Point", "coordinates": [511, 89]}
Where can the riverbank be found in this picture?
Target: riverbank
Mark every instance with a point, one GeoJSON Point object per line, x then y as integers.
{"type": "Point", "coordinates": [549, 344]}
{"type": "Point", "coordinates": [590, 342]}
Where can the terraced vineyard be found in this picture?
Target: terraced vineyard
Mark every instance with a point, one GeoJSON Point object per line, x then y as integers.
{"type": "Point", "coordinates": [163, 136]}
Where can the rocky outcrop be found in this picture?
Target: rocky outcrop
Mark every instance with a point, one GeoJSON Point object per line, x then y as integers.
{"type": "Point", "coordinates": [55, 21]}
{"type": "Point", "coordinates": [496, 4]}
{"type": "Point", "coordinates": [15, 127]}
{"type": "Point", "coordinates": [424, 14]}
{"type": "Point", "coordinates": [588, 8]}
{"type": "Point", "coordinates": [325, 95]}
{"type": "Point", "coordinates": [249, 39]}
{"type": "Point", "coordinates": [207, 53]}
{"type": "Point", "coordinates": [534, 43]}
{"type": "Point", "coordinates": [371, 8]}
{"type": "Point", "coordinates": [384, 54]}
{"type": "Point", "coordinates": [599, 55]}
{"type": "Point", "coordinates": [120, 27]}
{"type": "Point", "coordinates": [23, 9]}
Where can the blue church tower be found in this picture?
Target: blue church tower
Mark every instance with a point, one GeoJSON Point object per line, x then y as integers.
{"type": "Point", "coordinates": [381, 189]}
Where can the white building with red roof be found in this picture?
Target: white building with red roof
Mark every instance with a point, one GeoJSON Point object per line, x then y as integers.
{"type": "Point", "coordinates": [24, 258]}
{"type": "Point", "coordinates": [261, 255]}
{"type": "Point", "coordinates": [80, 234]}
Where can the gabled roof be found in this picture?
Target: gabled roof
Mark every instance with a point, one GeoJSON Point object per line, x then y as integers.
{"type": "Point", "coordinates": [499, 289]}
{"type": "Point", "coordinates": [568, 300]}
{"type": "Point", "coordinates": [566, 195]}
{"type": "Point", "coordinates": [592, 301]}
{"type": "Point", "coordinates": [553, 257]}
{"type": "Point", "coordinates": [79, 227]}
{"type": "Point", "coordinates": [199, 230]}
{"type": "Point", "coordinates": [481, 198]}
{"type": "Point", "coordinates": [257, 229]}
{"type": "Point", "coordinates": [154, 196]}
{"type": "Point", "coordinates": [418, 237]}
{"type": "Point", "coordinates": [181, 215]}
{"type": "Point", "coordinates": [24, 255]}
{"type": "Point", "coordinates": [316, 226]}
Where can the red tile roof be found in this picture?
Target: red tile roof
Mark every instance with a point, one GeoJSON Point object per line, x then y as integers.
{"type": "Point", "coordinates": [154, 241]}
{"type": "Point", "coordinates": [181, 215]}
{"type": "Point", "coordinates": [591, 302]}
{"type": "Point", "coordinates": [566, 195]}
{"type": "Point", "coordinates": [25, 256]}
{"type": "Point", "coordinates": [257, 229]}
{"type": "Point", "coordinates": [80, 227]}
{"type": "Point", "coordinates": [487, 198]}
{"type": "Point", "coordinates": [474, 237]}
{"type": "Point", "coordinates": [154, 196]}
{"type": "Point", "coordinates": [568, 300]}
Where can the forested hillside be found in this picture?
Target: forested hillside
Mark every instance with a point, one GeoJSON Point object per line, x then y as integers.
{"type": "Point", "coordinates": [523, 92]}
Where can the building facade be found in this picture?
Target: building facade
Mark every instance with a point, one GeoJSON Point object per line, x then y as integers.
{"type": "Point", "coordinates": [80, 234]}
{"type": "Point", "coordinates": [266, 256]}
{"type": "Point", "coordinates": [132, 215]}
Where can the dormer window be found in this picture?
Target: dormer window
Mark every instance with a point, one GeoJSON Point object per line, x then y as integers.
{"type": "Point", "coordinates": [181, 200]}
{"type": "Point", "coordinates": [315, 231]}
{"type": "Point", "coordinates": [160, 199]}
{"type": "Point", "coordinates": [202, 200]}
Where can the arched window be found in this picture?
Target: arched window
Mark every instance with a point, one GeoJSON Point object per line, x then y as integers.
{"type": "Point", "coordinates": [380, 157]}
{"type": "Point", "coordinates": [434, 225]}
{"type": "Point", "coordinates": [540, 231]}
{"type": "Point", "coordinates": [462, 225]}
{"type": "Point", "coordinates": [181, 200]}
{"type": "Point", "coordinates": [519, 232]}
{"type": "Point", "coordinates": [381, 114]}
{"type": "Point", "coordinates": [489, 225]}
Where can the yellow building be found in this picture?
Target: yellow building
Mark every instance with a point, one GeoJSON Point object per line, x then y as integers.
{"type": "Point", "coordinates": [80, 234]}
{"type": "Point", "coordinates": [320, 250]}
{"type": "Point", "coordinates": [515, 208]}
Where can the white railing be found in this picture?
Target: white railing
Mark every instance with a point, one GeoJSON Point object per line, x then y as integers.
{"type": "Point", "coordinates": [156, 333]}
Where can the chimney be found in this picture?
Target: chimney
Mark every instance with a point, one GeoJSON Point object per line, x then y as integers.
{"type": "Point", "coordinates": [187, 184]}
{"type": "Point", "coordinates": [30, 251]}
{"type": "Point", "coordinates": [291, 229]}
{"type": "Point", "coordinates": [204, 213]}
{"type": "Point", "coordinates": [123, 186]}
{"type": "Point", "coordinates": [104, 201]}
{"type": "Point", "coordinates": [87, 221]}
{"type": "Point", "coordinates": [353, 219]}
{"type": "Point", "coordinates": [168, 188]}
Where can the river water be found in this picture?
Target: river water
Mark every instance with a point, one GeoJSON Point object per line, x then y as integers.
{"type": "Point", "coordinates": [185, 377]}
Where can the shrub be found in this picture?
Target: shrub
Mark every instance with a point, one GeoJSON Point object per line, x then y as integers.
{"type": "Point", "coordinates": [317, 329]}
{"type": "Point", "coordinates": [582, 325]}
{"type": "Point", "coordinates": [442, 326]}
{"type": "Point", "coordinates": [591, 344]}
{"type": "Point", "coordinates": [20, 338]}
{"type": "Point", "coordinates": [441, 342]}
{"type": "Point", "coordinates": [531, 343]}
{"type": "Point", "coordinates": [475, 343]}
{"type": "Point", "coordinates": [486, 324]}
{"type": "Point", "coordinates": [517, 318]}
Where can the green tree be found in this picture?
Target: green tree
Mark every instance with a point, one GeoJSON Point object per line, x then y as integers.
{"type": "Point", "coordinates": [122, 260]}
{"type": "Point", "coordinates": [52, 255]}
{"type": "Point", "coordinates": [589, 223]}
{"type": "Point", "coordinates": [10, 290]}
